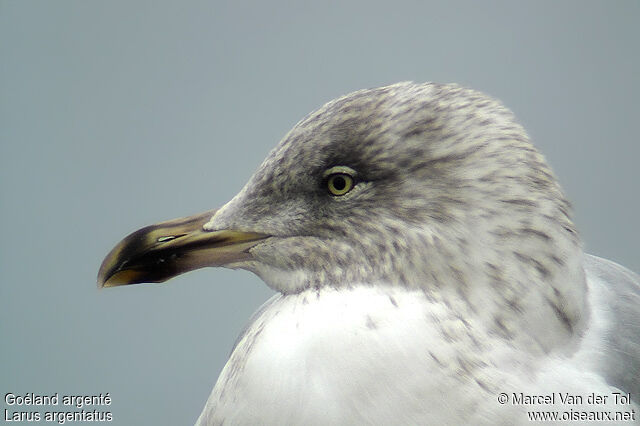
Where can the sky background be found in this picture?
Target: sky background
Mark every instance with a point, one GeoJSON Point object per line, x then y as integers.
{"type": "Point", "coordinates": [118, 114]}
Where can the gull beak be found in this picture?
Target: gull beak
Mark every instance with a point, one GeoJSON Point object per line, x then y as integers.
{"type": "Point", "coordinates": [162, 251]}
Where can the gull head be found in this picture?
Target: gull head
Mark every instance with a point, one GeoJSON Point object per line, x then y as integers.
{"type": "Point", "coordinates": [423, 186]}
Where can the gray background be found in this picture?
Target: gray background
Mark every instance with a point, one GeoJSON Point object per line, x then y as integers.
{"type": "Point", "coordinates": [118, 114]}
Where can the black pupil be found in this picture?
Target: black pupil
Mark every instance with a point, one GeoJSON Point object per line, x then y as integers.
{"type": "Point", "coordinates": [339, 183]}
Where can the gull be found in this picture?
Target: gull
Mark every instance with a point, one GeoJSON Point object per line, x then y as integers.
{"type": "Point", "coordinates": [427, 272]}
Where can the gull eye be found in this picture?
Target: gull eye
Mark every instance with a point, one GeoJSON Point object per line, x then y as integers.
{"type": "Point", "coordinates": [339, 183]}
{"type": "Point", "coordinates": [339, 180]}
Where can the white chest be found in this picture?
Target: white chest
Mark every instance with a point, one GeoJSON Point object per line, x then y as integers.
{"type": "Point", "coordinates": [358, 356]}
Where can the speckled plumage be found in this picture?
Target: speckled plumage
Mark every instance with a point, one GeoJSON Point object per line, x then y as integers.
{"type": "Point", "coordinates": [456, 218]}
{"type": "Point", "coordinates": [449, 185]}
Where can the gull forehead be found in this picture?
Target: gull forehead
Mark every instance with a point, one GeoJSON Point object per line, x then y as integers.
{"type": "Point", "coordinates": [413, 226]}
